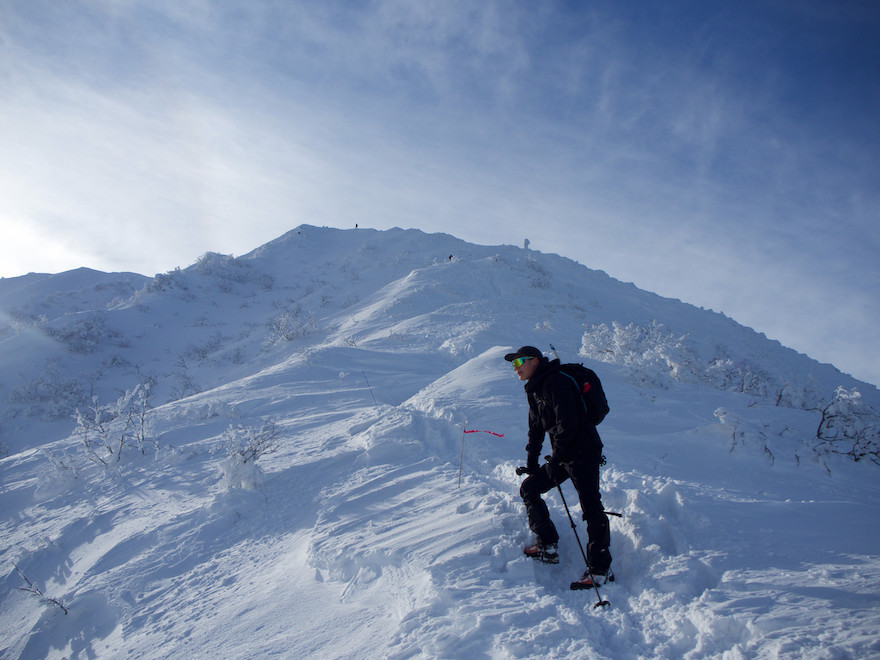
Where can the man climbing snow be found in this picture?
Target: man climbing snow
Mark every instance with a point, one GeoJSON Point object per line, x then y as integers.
{"type": "Point", "coordinates": [556, 408]}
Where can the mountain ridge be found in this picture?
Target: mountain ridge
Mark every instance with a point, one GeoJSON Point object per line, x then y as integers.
{"type": "Point", "coordinates": [325, 281]}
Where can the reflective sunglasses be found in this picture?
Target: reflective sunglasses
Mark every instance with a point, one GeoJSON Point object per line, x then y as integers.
{"type": "Point", "coordinates": [518, 362]}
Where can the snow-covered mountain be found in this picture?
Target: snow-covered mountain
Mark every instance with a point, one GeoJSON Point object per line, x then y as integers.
{"type": "Point", "coordinates": [265, 456]}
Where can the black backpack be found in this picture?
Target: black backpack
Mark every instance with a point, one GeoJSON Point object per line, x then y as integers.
{"type": "Point", "coordinates": [590, 387]}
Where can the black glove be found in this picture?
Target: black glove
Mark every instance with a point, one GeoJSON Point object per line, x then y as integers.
{"type": "Point", "coordinates": [525, 469]}
{"type": "Point", "coordinates": [553, 460]}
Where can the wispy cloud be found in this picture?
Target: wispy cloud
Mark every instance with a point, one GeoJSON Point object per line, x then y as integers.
{"type": "Point", "coordinates": [677, 146]}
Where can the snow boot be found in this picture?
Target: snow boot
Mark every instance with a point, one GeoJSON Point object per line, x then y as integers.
{"type": "Point", "coordinates": [592, 579]}
{"type": "Point", "coordinates": [543, 552]}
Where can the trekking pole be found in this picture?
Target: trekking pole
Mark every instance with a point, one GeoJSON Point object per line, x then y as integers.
{"type": "Point", "coordinates": [573, 525]}
{"type": "Point", "coordinates": [600, 603]}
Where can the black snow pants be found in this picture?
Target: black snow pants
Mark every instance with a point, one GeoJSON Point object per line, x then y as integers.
{"type": "Point", "coordinates": [584, 475]}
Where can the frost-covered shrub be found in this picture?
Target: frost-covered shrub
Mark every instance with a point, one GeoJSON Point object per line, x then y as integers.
{"type": "Point", "coordinates": [659, 358]}
{"type": "Point", "coordinates": [244, 447]}
{"type": "Point", "coordinates": [788, 395]}
{"type": "Point", "coordinates": [744, 433]}
{"type": "Point", "coordinates": [736, 375]}
{"type": "Point", "coordinates": [50, 396]}
{"type": "Point", "coordinates": [656, 357]}
{"type": "Point", "coordinates": [540, 279]}
{"type": "Point", "coordinates": [849, 427]}
{"type": "Point", "coordinates": [204, 349]}
{"type": "Point", "coordinates": [34, 590]}
{"type": "Point", "coordinates": [174, 279]}
{"type": "Point", "coordinates": [106, 431]}
{"type": "Point", "coordinates": [289, 325]}
{"type": "Point", "coordinates": [83, 335]}
{"type": "Point", "coordinates": [228, 271]}
{"type": "Point", "coordinates": [234, 356]}
{"type": "Point", "coordinates": [22, 321]}
{"type": "Point", "coordinates": [185, 385]}
{"type": "Point", "coordinates": [63, 475]}
{"type": "Point", "coordinates": [223, 266]}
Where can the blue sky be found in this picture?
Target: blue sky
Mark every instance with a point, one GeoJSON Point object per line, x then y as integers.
{"type": "Point", "coordinates": [722, 153]}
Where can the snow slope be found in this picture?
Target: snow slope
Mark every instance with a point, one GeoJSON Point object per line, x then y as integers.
{"type": "Point", "coordinates": [360, 358]}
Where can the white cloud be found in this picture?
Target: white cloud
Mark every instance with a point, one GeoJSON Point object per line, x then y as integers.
{"type": "Point", "coordinates": [138, 135]}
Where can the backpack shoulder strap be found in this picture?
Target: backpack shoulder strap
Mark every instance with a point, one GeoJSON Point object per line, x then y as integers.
{"type": "Point", "coordinates": [578, 388]}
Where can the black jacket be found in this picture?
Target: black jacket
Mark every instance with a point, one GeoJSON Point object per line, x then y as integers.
{"type": "Point", "coordinates": [557, 409]}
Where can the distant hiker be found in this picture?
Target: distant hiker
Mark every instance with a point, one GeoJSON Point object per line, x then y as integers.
{"type": "Point", "coordinates": [556, 408]}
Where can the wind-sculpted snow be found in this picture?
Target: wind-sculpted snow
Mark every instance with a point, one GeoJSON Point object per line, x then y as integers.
{"type": "Point", "coordinates": [316, 494]}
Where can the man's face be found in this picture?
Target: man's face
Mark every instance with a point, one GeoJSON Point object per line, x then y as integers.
{"type": "Point", "coordinates": [527, 369]}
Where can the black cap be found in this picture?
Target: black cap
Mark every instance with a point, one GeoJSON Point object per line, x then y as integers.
{"type": "Point", "coordinates": [524, 351]}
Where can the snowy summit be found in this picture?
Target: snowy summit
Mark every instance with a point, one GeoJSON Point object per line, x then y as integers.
{"type": "Point", "coordinates": [309, 451]}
